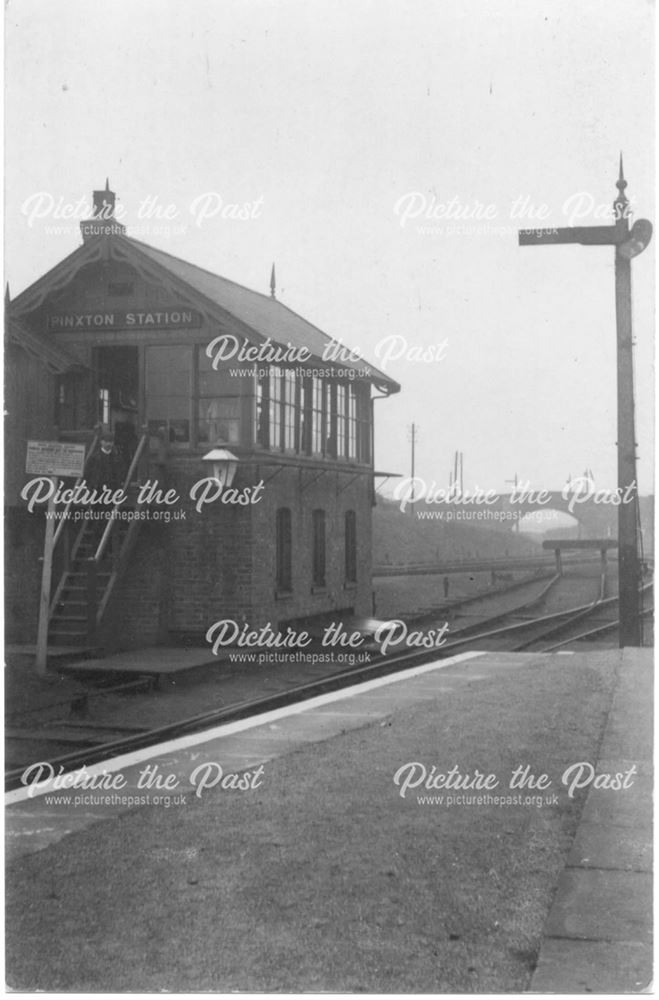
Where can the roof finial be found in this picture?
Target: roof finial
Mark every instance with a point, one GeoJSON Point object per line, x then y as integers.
{"type": "Point", "coordinates": [622, 201]}
{"type": "Point", "coordinates": [7, 295]}
{"type": "Point", "coordinates": [107, 183]}
{"type": "Point", "coordinates": [621, 183]}
{"type": "Point", "coordinates": [273, 283]}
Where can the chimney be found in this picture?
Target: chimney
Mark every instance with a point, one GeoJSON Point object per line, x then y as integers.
{"type": "Point", "coordinates": [102, 222]}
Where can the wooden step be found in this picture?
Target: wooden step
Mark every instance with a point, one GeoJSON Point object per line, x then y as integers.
{"type": "Point", "coordinates": [60, 630]}
{"type": "Point", "coordinates": [80, 572]}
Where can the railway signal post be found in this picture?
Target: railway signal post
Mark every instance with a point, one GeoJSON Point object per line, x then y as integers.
{"type": "Point", "coordinates": [628, 243]}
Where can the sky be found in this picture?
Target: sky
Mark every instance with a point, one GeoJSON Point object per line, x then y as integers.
{"type": "Point", "coordinates": [336, 128]}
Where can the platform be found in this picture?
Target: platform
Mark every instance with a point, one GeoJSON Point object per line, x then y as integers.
{"type": "Point", "coordinates": [598, 936]}
{"type": "Point", "coordinates": [54, 654]}
{"type": "Point", "coordinates": [154, 661]}
{"type": "Point", "coordinates": [27, 691]}
{"type": "Point", "coordinates": [323, 876]}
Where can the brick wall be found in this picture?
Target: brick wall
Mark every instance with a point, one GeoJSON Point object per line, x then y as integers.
{"type": "Point", "coordinates": [287, 489]}
{"type": "Point", "coordinates": [24, 536]}
{"type": "Point", "coordinates": [218, 563]}
{"type": "Point", "coordinates": [138, 615]}
{"type": "Point", "coordinates": [221, 562]}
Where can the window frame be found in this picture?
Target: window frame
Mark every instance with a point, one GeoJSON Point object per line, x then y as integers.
{"type": "Point", "coordinates": [318, 549]}
{"type": "Point", "coordinates": [190, 395]}
{"type": "Point", "coordinates": [318, 417]}
{"type": "Point", "coordinates": [284, 550]}
{"type": "Point", "coordinates": [350, 547]}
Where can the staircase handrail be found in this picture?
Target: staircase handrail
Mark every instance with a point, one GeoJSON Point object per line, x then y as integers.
{"type": "Point", "coordinates": [129, 478]}
{"type": "Point", "coordinates": [96, 609]}
{"type": "Point", "coordinates": [60, 527]}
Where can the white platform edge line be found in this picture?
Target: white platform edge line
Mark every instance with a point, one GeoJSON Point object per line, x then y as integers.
{"type": "Point", "coordinates": [229, 728]}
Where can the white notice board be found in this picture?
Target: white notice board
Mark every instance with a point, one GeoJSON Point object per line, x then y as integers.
{"type": "Point", "coordinates": [55, 458]}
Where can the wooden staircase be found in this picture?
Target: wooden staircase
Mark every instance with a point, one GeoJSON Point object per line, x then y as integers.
{"type": "Point", "coordinates": [91, 563]}
{"type": "Point", "coordinates": [72, 615]}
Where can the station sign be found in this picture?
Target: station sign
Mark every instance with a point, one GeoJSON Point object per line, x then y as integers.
{"type": "Point", "coordinates": [169, 318]}
{"type": "Point", "coordinates": [55, 458]}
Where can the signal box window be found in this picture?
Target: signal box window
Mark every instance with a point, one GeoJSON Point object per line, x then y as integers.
{"type": "Point", "coordinates": [219, 403]}
{"type": "Point", "coordinates": [168, 371]}
{"type": "Point", "coordinates": [318, 522]}
{"type": "Point", "coordinates": [351, 546]}
{"type": "Point", "coordinates": [284, 547]}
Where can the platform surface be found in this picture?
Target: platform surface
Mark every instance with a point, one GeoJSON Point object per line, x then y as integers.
{"type": "Point", "coordinates": [295, 857]}
{"type": "Point", "coordinates": [598, 935]}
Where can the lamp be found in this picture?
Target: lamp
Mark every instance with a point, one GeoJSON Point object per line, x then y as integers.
{"type": "Point", "coordinates": [639, 237]}
{"type": "Point", "coordinates": [224, 465]}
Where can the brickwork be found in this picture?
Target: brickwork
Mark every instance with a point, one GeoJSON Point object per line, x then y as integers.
{"type": "Point", "coordinates": [218, 563]}
{"type": "Point", "coordinates": [330, 493]}
{"type": "Point", "coordinates": [221, 562]}
{"type": "Point", "coordinates": [24, 534]}
{"type": "Point", "coordinates": [139, 611]}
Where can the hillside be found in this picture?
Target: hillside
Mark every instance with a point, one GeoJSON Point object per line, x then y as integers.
{"type": "Point", "coordinates": [402, 538]}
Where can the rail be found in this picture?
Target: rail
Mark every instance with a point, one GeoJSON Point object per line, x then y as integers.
{"type": "Point", "coordinates": [120, 553]}
{"type": "Point", "coordinates": [69, 552]}
{"type": "Point", "coordinates": [78, 482]}
{"type": "Point", "coordinates": [483, 565]}
{"type": "Point", "coordinates": [380, 666]}
{"type": "Point", "coordinates": [593, 632]}
{"type": "Point", "coordinates": [126, 485]}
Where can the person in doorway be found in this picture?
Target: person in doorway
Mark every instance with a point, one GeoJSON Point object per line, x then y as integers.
{"type": "Point", "coordinates": [104, 466]}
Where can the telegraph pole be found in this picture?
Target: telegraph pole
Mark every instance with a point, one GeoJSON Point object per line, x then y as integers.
{"type": "Point", "coordinates": [515, 483]}
{"type": "Point", "coordinates": [413, 432]}
{"type": "Point", "coordinates": [628, 243]}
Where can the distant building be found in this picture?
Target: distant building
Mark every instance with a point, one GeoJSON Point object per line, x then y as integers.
{"type": "Point", "coordinates": [175, 362]}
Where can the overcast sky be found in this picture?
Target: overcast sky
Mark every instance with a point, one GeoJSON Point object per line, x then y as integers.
{"type": "Point", "coordinates": [332, 124]}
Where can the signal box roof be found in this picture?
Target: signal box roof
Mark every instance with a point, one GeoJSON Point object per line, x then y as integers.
{"type": "Point", "coordinates": [262, 316]}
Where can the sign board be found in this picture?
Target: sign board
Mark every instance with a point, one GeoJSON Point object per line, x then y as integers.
{"type": "Point", "coordinates": [55, 458]}
{"type": "Point", "coordinates": [163, 318]}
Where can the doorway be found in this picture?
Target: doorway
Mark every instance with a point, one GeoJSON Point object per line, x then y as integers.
{"type": "Point", "coordinates": [117, 396]}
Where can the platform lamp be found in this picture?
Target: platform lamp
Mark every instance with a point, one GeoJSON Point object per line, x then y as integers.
{"type": "Point", "coordinates": [224, 464]}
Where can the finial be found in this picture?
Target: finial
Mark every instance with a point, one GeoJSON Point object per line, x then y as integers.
{"type": "Point", "coordinates": [7, 295]}
{"type": "Point", "coordinates": [107, 183]}
{"type": "Point", "coordinates": [621, 184]}
{"type": "Point", "coordinates": [273, 284]}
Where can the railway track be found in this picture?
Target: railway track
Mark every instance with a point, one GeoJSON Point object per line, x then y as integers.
{"type": "Point", "coordinates": [540, 633]}
{"type": "Point", "coordinates": [595, 632]}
